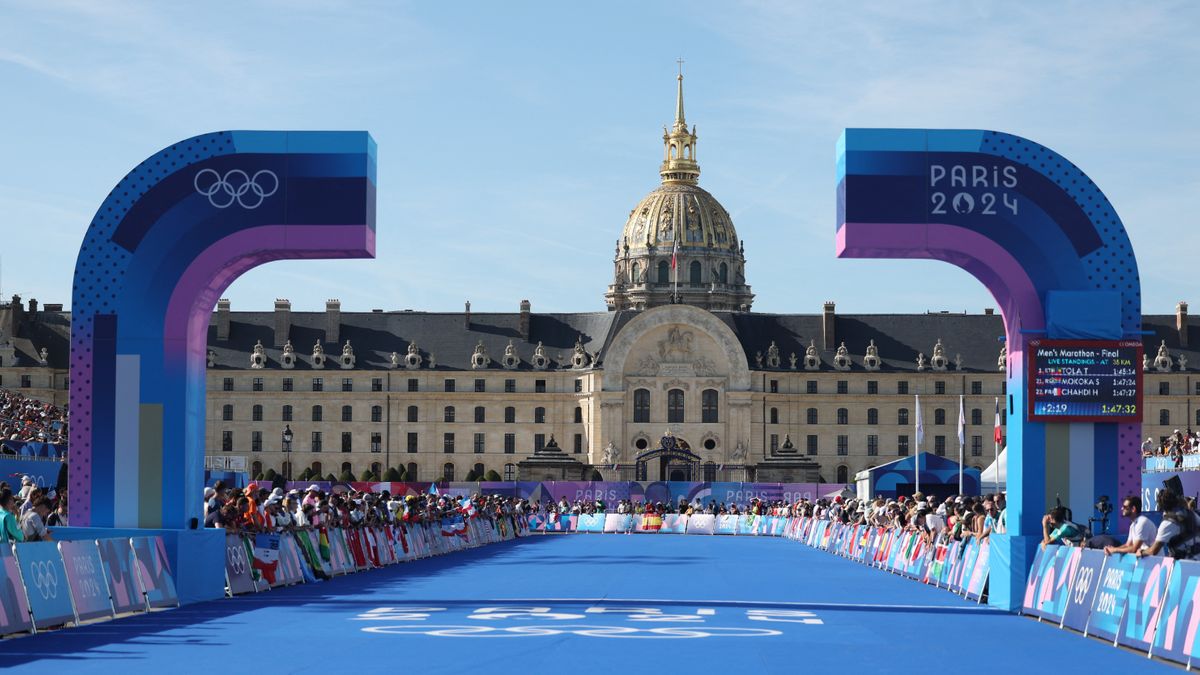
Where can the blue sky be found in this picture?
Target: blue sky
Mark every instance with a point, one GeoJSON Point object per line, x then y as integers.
{"type": "Point", "coordinates": [514, 138]}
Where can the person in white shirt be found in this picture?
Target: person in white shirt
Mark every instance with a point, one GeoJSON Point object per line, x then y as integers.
{"type": "Point", "coordinates": [1141, 531]}
{"type": "Point", "coordinates": [1178, 534]}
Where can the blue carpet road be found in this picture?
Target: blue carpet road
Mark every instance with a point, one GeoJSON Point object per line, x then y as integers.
{"type": "Point", "coordinates": [582, 604]}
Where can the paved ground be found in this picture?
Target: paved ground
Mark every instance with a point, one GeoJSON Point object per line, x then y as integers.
{"type": "Point", "coordinates": [568, 604]}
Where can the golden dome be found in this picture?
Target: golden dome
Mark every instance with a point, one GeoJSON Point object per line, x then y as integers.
{"type": "Point", "coordinates": [680, 210]}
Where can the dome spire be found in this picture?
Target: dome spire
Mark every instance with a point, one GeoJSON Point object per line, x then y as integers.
{"type": "Point", "coordinates": [679, 145]}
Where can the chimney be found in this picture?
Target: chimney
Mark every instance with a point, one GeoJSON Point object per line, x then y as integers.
{"type": "Point", "coordinates": [53, 307]}
{"type": "Point", "coordinates": [333, 321]}
{"type": "Point", "coordinates": [827, 318]}
{"type": "Point", "coordinates": [524, 321]}
{"type": "Point", "coordinates": [223, 319]}
{"type": "Point", "coordinates": [283, 321]}
{"type": "Point", "coordinates": [988, 311]}
{"type": "Point", "coordinates": [467, 316]}
{"type": "Point", "coordinates": [16, 316]}
{"type": "Point", "coordinates": [1181, 323]}
{"type": "Point", "coordinates": [33, 305]}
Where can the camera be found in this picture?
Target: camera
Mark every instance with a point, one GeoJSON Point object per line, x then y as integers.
{"type": "Point", "coordinates": [1103, 505]}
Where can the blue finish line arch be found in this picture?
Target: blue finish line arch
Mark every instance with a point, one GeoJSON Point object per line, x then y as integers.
{"type": "Point", "coordinates": [164, 245]}
{"type": "Point", "coordinates": [1048, 245]}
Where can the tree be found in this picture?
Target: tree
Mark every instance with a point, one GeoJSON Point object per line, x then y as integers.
{"type": "Point", "coordinates": [269, 475]}
{"type": "Point", "coordinates": [392, 475]}
{"type": "Point", "coordinates": [368, 475]}
{"type": "Point", "coordinates": [332, 478]}
{"type": "Point", "coordinates": [346, 476]}
{"type": "Point", "coordinates": [492, 476]}
{"type": "Point", "coordinates": [471, 476]}
{"type": "Point", "coordinates": [596, 475]}
{"type": "Point", "coordinates": [259, 476]}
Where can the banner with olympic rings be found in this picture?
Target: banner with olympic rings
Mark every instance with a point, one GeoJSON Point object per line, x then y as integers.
{"type": "Point", "coordinates": [14, 606]}
{"type": "Point", "coordinates": [85, 577]}
{"type": "Point", "coordinates": [702, 523]}
{"type": "Point", "coordinates": [45, 580]}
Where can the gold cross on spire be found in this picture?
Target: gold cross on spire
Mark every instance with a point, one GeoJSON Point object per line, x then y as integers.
{"type": "Point", "coordinates": [680, 62]}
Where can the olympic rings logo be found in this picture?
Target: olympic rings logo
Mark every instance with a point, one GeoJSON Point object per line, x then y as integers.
{"type": "Point", "coordinates": [669, 633]}
{"type": "Point", "coordinates": [45, 578]}
{"type": "Point", "coordinates": [236, 186]}
{"type": "Point", "coordinates": [236, 558]}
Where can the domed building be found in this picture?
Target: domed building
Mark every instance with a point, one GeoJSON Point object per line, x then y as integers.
{"type": "Point", "coordinates": [679, 245]}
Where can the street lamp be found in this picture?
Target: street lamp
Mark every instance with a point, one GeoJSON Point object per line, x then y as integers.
{"type": "Point", "coordinates": [287, 448]}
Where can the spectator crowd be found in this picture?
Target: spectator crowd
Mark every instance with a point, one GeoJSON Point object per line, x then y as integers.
{"type": "Point", "coordinates": [26, 419]}
{"type": "Point", "coordinates": [28, 513]}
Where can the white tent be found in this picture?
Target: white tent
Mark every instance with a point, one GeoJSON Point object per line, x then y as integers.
{"type": "Point", "coordinates": [998, 471]}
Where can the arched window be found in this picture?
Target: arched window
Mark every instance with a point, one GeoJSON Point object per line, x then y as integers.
{"type": "Point", "coordinates": [708, 406]}
{"type": "Point", "coordinates": [664, 272]}
{"type": "Point", "coordinates": [843, 474]}
{"type": "Point", "coordinates": [872, 416]}
{"type": "Point", "coordinates": [843, 416]}
{"type": "Point", "coordinates": [723, 273]}
{"type": "Point", "coordinates": [448, 414]}
{"type": "Point", "coordinates": [480, 414]}
{"type": "Point", "coordinates": [317, 413]}
{"type": "Point", "coordinates": [510, 415]}
{"type": "Point", "coordinates": [376, 413]}
{"type": "Point", "coordinates": [448, 471]}
{"type": "Point", "coordinates": [694, 273]}
{"type": "Point", "coordinates": [316, 469]}
{"type": "Point", "coordinates": [376, 467]}
{"type": "Point", "coordinates": [411, 473]}
{"type": "Point", "coordinates": [578, 415]}
{"type": "Point", "coordinates": [347, 468]}
{"type": "Point", "coordinates": [675, 406]}
{"type": "Point", "coordinates": [412, 413]}
{"type": "Point", "coordinates": [510, 472]}
{"type": "Point", "coordinates": [1164, 416]}
{"type": "Point", "coordinates": [347, 413]}
{"type": "Point", "coordinates": [287, 413]}
{"type": "Point", "coordinates": [939, 416]}
{"type": "Point", "coordinates": [674, 151]}
{"type": "Point", "coordinates": [539, 415]}
{"type": "Point", "coordinates": [255, 470]}
{"type": "Point", "coordinates": [479, 471]}
{"type": "Point", "coordinates": [774, 416]}
{"type": "Point", "coordinates": [635, 274]}
{"type": "Point", "coordinates": [641, 405]}
{"type": "Point", "coordinates": [902, 416]}
{"type": "Point", "coordinates": [256, 413]}
{"type": "Point", "coordinates": [227, 413]}
{"type": "Point", "coordinates": [810, 416]}
{"type": "Point", "coordinates": [687, 151]}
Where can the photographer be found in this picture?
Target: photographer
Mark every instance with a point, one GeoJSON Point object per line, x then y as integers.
{"type": "Point", "coordinates": [1179, 532]}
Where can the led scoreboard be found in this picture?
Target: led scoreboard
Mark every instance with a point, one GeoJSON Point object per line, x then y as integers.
{"type": "Point", "coordinates": [1085, 381]}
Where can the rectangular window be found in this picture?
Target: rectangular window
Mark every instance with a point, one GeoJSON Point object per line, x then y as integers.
{"type": "Point", "coordinates": [347, 384]}
{"type": "Point", "coordinates": [256, 384]}
{"type": "Point", "coordinates": [1164, 388]}
{"type": "Point", "coordinates": [318, 384]}
{"type": "Point", "coordinates": [1198, 388]}
{"type": "Point", "coordinates": [843, 445]}
{"type": "Point", "coordinates": [347, 413]}
{"type": "Point", "coordinates": [413, 384]}
{"type": "Point", "coordinates": [872, 386]}
{"type": "Point", "coordinates": [376, 413]}
{"type": "Point", "coordinates": [939, 445]}
{"type": "Point", "coordinates": [287, 413]}
{"type": "Point", "coordinates": [578, 386]}
{"type": "Point", "coordinates": [449, 385]}
{"type": "Point", "coordinates": [539, 441]}
{"type": "Point", "coordinates": [27, 382]}
{"type": "Point", "coordinates": [939, 387]}
{"type": "Point", "coordinates": [412, 441]}
{"type": "Point", "coordinates": [774, 442]}
{"type": "Point", "coordinates": [510, 444]}
{"type": "Point", "coordinates": [316, 441]}
{"type": "Point", "coordinates": [478, 444]}
{"type": "Point", "coordinates": [255, 441]}
{"type": "Point", "coordinates": [774, 386]}
{"type": "Point", "coordinates": [480, 385]}
{"type": "Point", "coordinates": [976, 387]}
{"type": "Point", "coordinates": [977, 446]}
{"type": "Point", "coordinates": [811, 386]}
{"type": "Point", "coordinates": [227, 441]}
{"type": "Point", "coordinates": [347, 442]}
{"type": "Point", "coordinates": [448, 443]}
{"type": "Point", "coordinates": [256, 413]}
{"type": "Point", "coordinates": [539, 386]}
{"type": "Point", "coordinates": [902, 387]}
{"type": "Point", "coordinates": [811, 444]}
{"type": "Point", "coordinates": [480, 414]}
{"type": "Point", "coordinates": [226, 383]}
{"type": "Point", "coordinates": [510, 386]}
{"type": "Point", "coordinates": [843, 387]}
{"type": "Point", "coordinates": [376, 442]}
{"type": "Point", "coordinates": [902, 445]}
{"type": "Point", "coordinates": [708, 406]}
{"type": "Point", "coordinates": [376, 384]}
{"type": "Point", "coordinates": [579, 444]}
{"type": "Point", "coordinates": [810, 416]}
{"type": "Point", "coordinates": [287, 384]}
{"type": "Point", "coordinates": [872, 445]}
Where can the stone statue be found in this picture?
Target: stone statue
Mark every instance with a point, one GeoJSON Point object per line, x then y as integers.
{"type": "Point", "coordinates": [787, 442]}
{"type": "Point", "coordinates": [579, 350]}
{"type": "Point", "coordinates": [258, 357]}
{"type": "Point", "coordinates": [539, 351]}
{"type": "Point", "coordinates": [773, 355]}
{"type": "Point", "coordinates": [510, 351]}
{"type": "Point", "coordinates": [551, 444]}
{"type": "Point", "coordinates": [958, 361]}
{"type": "Point", "coordinates": [258, 349]}
{"type": "Point", "coordinates": [1002, 360]}
{"type": "Point", "coordinates": [212, 358]}
{"type": "Point", "coordinates": [1183, 360]}
{"type": "Point", "coordinates": [288, 348]}
{"type": "Point", "coordinates": [758, 359]}
{"type": "Point", "coordinates": [480, 350]}
{"type": "Point", "coordinates": [412, 348]}
{"type": "Point", "coordinates": [1145, 362]}
{"type": "Point", "coordinates": [872, 350]}
{"type": "Point", "coordinates": [939, 352]}
{"type": "Point", "coordinates": [394, 360]}
{"type": "Point", "coordinates": [1162, 362]}
{"type": "Point", "coordinates": [432, 360]}
{"type": "Point", "coordinates": [738, 454]}
{"type": "Point", "coordinates": [792, 359]}
{"type": "Point", "coordinates": [318, 349]}
{"type": "Point", "coordinates": [842, 352]}
{"type": "Point", "coordinates": [811, 350]}
{"type": "Point", "coordinates": [44, 355]}
{"type": "Point", "coordinates": [611, 454]}
{"type": "Point", "coordinates": [347, 350]}
{"type": "Point", "coordinates": [921, 362]}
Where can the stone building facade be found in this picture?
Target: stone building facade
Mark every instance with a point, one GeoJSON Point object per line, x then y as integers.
{"type": "Point", "coordinates": [786, 397]}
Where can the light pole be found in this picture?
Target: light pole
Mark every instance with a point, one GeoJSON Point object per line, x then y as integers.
{"type": "Point", "coordinates": [287, 449]}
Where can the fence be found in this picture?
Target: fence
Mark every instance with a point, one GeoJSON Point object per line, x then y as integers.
{"type": "Point", "coordinates": [1158, 463]}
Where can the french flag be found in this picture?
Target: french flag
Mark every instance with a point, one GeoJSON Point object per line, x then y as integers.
{"type": "Point", "coordinates": [454, 527]}
{"type": "Point", "coordinates": [467, 507]}
{"type": "Point", "coordinates": [997, 434]}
